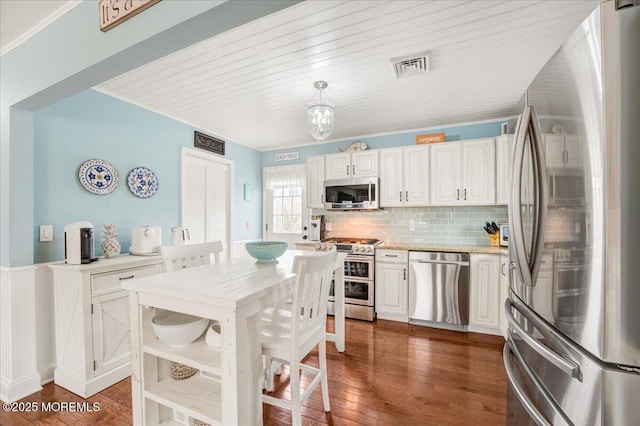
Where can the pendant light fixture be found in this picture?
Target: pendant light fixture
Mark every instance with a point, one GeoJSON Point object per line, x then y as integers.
{"type": "Point", "coordinates": [320, 114]}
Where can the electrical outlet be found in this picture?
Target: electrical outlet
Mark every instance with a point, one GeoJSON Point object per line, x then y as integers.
{"type": "Point", "coordinates": [412, 225]}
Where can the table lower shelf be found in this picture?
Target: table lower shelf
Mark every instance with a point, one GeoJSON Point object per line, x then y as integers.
{"type": "Point", "coordinates": [196, 397]}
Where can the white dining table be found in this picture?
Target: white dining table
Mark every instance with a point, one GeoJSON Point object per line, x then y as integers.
{"type": "Point", "coordinates": [232, 292]}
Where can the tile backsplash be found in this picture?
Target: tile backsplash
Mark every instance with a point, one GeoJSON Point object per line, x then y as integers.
{"type": "Point", "coordinates": [433, 225]}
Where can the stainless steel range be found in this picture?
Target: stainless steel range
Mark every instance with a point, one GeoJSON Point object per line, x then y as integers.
{"type": "Point", "coordinates": [359, 267]}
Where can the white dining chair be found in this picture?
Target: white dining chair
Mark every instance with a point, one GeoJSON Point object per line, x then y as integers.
{"type": "Point", "coordinates": [180, 257]}
{"type": "Point", "coordinates": [288, 336]}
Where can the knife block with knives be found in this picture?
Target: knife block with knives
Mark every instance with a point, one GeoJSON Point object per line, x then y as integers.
{"type": "Point", "coordinates": [493, 230]}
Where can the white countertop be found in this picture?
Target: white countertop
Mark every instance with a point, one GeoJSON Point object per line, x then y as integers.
{"type": "Point", "coordinates": [118, 262]}
{"type": "Point", "coordinates": [480, 249]}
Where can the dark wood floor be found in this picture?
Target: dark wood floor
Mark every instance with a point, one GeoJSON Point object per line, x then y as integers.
{"type": "Point", "coordinates": [390, 374]}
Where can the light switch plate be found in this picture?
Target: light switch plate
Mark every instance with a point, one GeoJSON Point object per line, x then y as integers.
{"type": "Point", "coordinates": [46, 232]}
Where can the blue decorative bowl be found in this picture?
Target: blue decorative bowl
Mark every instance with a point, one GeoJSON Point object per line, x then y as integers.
{"type": "Point", "coordinates": [266, 251]}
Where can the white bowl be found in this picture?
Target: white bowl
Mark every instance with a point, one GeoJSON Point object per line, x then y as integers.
{"type": "Point", "coordinates": [177, 329]}
{"type": "Point", "coordinates": [213, 335]}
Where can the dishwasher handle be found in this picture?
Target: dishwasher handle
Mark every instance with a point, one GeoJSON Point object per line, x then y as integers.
{"type": "Point", "coordinates": [440, 262]}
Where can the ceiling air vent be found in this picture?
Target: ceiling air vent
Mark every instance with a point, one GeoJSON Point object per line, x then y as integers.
{"type": "Point", "coordinates": [407, 66]}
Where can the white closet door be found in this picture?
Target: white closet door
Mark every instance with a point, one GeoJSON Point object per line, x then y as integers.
{"type": "Point", "coordinates": [207, 198]}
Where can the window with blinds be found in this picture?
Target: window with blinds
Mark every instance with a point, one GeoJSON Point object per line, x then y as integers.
{"type": "Point", "coordinates": [285, 189]}
{"type": "Point", "coordinates": [206, 189]}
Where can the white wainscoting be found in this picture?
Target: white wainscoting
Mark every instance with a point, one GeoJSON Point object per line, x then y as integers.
{"type": "Point", "coordinates": [19, 376]}
{"type": "Point", "coordinates": [27, 333]}
{"type": "Point", "coordinates": [45, 322]}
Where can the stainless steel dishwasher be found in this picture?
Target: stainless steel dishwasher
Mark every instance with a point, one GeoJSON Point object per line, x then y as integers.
{"type": "Point", "coordinates": [439, 289]}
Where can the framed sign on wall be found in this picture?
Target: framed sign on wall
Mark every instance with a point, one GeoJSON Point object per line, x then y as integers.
{"type": "Point", "coordinates": [114, 12]}
{"type": "Point", "coordinates": [202, 141]}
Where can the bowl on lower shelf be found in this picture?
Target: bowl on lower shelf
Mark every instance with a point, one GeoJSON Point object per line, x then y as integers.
{"type": "Point", "coordinates": [177, 329]}
{"type": "Point", "coordinates": [266, 251]}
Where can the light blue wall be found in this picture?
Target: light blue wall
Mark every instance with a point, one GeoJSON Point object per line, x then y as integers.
{"type": "Point", "coordinates": [452, 133]}
{"type": "Point", "coordinates": [93, 125]}
{"type": "Point", "coordinates": [72, 55]}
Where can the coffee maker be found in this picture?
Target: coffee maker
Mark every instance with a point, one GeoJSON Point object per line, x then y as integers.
{"type": "Point", "coordinates": [78, 243]}
{"type": "Point", "coordinates": [316, 227]}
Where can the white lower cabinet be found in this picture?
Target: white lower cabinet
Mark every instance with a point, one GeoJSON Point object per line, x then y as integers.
{"type": "Point", "coordinates": [391, 285]}
{"type": "Point", "coordinates": [93, 349]}
{"type": "Point", "coordinates": [504, 292]}
{"type": "Point", "coordinates": [111, 344]}
{"type": "Point", "coordinates": [485, 297]}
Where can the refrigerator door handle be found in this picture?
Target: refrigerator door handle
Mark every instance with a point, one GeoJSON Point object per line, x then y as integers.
{"type": "Point", "coordinates": [517, 233]}
{"type": "Point", "coordinates": [564, 364]}
{"type": "Point", "coordinates": [520, 393]}
{"type": "Point", "coordinates": [542, 195]}
{"type": "Point", "coordinates": [509, 348]}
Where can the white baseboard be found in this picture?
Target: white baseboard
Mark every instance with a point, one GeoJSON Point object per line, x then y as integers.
{"type": "Point", "coordinates": [13, 391]}
{"type": "Point", "coordinates": [46, 373]}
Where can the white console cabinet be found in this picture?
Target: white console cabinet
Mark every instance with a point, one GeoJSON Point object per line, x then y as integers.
{"type": "Point", "coordinates": [93, 347]}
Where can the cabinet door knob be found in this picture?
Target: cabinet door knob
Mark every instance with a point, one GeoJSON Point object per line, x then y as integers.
{"type": "Point", "coordinates": [400, 196]}
{"type": "Point", "coordinates": [406, 195]}
{"type": "Point", "coordinates": [457, 194]}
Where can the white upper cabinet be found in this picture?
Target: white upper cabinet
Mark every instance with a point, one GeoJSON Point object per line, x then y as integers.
{"type": "Point", "coordinates": [348, 165]}
{"type": "Point", "coordinates": [404, 176]}
{"type": "Point", "coordinates": [504, 145]}
{"type": "Point", "coordinates": [463, 173]}
{"type": "Point", "coordinates": [315, 182]}
{"type": "Point", "coordinates": [446, 174]}
{"type": "Point", "coordinates": [562, 151]}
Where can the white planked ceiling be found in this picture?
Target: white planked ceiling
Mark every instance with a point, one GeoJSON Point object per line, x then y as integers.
{"type": "Point", "coordinates": [251, 84]}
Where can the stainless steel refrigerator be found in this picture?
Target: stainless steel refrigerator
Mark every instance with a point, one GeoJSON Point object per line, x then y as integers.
{"type": "Point", "coordinates": [573, 348]}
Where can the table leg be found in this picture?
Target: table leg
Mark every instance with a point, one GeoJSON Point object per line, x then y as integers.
{"type": "Point", "coordinates": [241, 371]}
{"type": "Point", "coordinates": [136, 359]}
{"type": "Point", "coordinates": [339, 309]}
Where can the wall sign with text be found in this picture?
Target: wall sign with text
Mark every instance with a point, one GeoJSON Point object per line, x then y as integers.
{"type": "Point", "coordinates": [287, 156]}
{"type": "Point", "coordinates": [202, 141]}
{"type": "Point", "coordinates": [429, 138]}
{"type": "Point", "coordinates": [114, 12]}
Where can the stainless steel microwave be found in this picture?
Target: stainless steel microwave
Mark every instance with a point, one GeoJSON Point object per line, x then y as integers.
{"type": "Point", "coordinates": [566, 189]}
{"type": "Point", "coordinates": [352, 194]}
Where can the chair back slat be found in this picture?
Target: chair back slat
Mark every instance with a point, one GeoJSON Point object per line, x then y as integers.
{"type": "Point", "coordinates": [311, 292]}
{"type": "Point", "coordinates": [180, 257]}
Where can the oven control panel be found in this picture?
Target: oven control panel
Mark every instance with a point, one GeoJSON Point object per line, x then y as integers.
{"type": "Point", "coordinates": [366, 249]}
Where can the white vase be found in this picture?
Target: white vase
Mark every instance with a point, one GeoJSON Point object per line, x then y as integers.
{"type": "Point", "coordinates": [110, 245]}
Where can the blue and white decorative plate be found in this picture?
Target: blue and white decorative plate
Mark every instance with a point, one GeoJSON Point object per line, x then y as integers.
{"type": "Point", "coordinates": [98, 177]}
{"type": "Point", "coordinates": [142, 182]}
